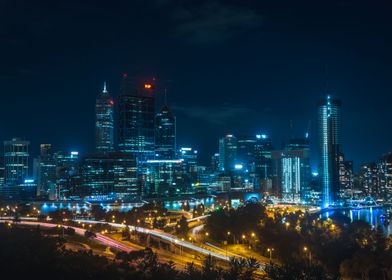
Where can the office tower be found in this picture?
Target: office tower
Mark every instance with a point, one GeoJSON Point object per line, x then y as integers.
{"type": "Point", "coordinates": [329, 142]}
{"type": "Point", "coordinates": [369, 180]}
{"type": "Point", "coordinates": [246, 152]}
{"type": "Point", "coordinates": [45, 169]}
{"type": "Point", "coordinates": [67, 173]}
{"type": "Point", "coordinates": [104, 174]}
{"type": "Point", "coordinates": [263, 162]}
{"type": "Point", "coordinates": [189, 166]}
{"type": "Point", "coordinates": [104, 125]}
{"type": "Point", "coordinates": [165, 177]}
{"type": "Point", "coordinates": [385, 169]}
{"type": "Point", "coordinates": [227, 153]}
{"type": "Point", "coordinates": [165, 134]}
{"type": "Point", "coordinates": [2, 172]}
{"type": "Point", "coordinates": [214, 167]}
{"type": "Point", "coordinates": [16, 161]}
{"type": "Point", "coordinates": [136, 118]}
{"type": "Point", "coordinates": [292, 169]}
{"type": "Point", "coordinates": [346, 177]}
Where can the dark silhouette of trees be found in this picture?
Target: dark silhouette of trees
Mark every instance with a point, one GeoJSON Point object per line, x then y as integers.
{"type": "Point", "coordinates": [182, 227]}
{"type": "Point", "coordinates": [98, 212]}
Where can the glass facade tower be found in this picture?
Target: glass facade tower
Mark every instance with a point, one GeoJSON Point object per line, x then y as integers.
{"type": "Point", "coordinates": [329, 140]}
{"type": "Point", "coordinates": [136, 118]}
{"type": "Point", "coordinates": [104, 136]}
{"type": "Point", "coordinates": [16, 161]}
{"type": "Point", "coordinates": [165, 134]}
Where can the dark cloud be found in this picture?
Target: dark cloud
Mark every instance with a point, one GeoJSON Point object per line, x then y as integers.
{"type": "Point", "coordinates": [216, 116]}
{"type": "Point", "coordinates": [213, 22]}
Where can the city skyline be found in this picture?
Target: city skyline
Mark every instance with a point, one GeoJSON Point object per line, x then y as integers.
{"type": "Point", "coordinates": [279, 78]}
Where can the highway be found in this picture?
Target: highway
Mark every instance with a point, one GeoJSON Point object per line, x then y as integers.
{"type": "Point", "coordinates": [80, 231]}
{"type": "Point", "coordinates": [118, 245]}
{"type": "Point", "coordinates": [165, 236]}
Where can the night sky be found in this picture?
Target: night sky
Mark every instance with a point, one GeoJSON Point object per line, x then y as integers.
{"type": "Point", "coordinates": [240, 67]}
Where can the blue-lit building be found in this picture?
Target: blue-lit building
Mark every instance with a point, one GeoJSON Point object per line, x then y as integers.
{"type": "Point", "coordinates": [165, 134]}
{"type": "Point", "coordinates": [189, 157]}
{"type": "Point", "coordinates": [16, 161]}
{"type": "Point", "coordinates": [246, 152]}
{"type": "Point", "coordinates": [67, 173]}
{"type": "Point", "coordinates": [136, 118]}
{"type": "Point", "coordinates": [165, 178]}
{"type": "Point", "coordinates": [104, 126]}
{"type": "Point", "coordinates": [103, 174]}
{"type": "Point", "coordinates": [263, 162]}
{"type": "Point", "coordinates": [292, 171]}
{"type": "Point", "coordinates": [45, 169]}
{"type": "Point", "coordinates": [329, 115]}
{"type": "Point", "coordinates": [227, 153]}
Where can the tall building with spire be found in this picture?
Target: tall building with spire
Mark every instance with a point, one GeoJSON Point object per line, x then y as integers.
{"type": "Point", "coordinates": [104, 125]}
{"type": "Point", "coordinates": [329, 111]}
{"type": "Point", "coordinates": [165, 133]}
{"type": "Point", "coordinates": [136, 118]}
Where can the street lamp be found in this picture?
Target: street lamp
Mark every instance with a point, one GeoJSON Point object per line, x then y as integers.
{"type": "Point", "coordinates": [287, 225]}
{"type": "Point", "coordinates": [310, 254]}
{"type": "Point", "coordinates": [270, 252]}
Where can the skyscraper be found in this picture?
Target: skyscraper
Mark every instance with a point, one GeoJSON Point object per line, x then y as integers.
{"type": "Point", "coordinates": [246, 152]}
{"type": "Point", "coordinates": [346, 177]}
{"type": "Point", "coordinates": [165, 134]}
{"type": "Point", "coordinates": [292, 169]}
{"type": "Point", "coordinates": [104, 174]}
{"type": "Point", "coordinates": [329, 141]}
{"type": "Point", "coordinates": [385, 169]}
{"type": "Point", "coordinates": [136, 118]}
{"type": "Point", "coordinates": [263, 162]}
{"type": "Point", "coordinates": [227, 153]}
{"type": "Point", "coordinates": [16, 161]}
{"type": "Point", "coordinates": [104, 122]}
{"type": "Point", "coordinates": [45, 169]}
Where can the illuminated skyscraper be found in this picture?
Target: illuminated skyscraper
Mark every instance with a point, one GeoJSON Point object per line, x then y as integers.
{"type": "Point", "coordinates": [346, 177]}
{"type": "Point", "coordinates": [165, 134]}
{"type": "Point", "coordinates": [369, 180]}
{"type": "Point", "coordinates": [16, 161]}
{"type": "Point", "coordinates": [227, 153]}
{"type": "Point", "coordinates": [263, 162]}
{"type": "Point", "coordinates": [262, 153]}
{"type": "Point", "coordinates": [246, 152]}
{"type": "Point", "coordinates": [329, 141]}
{"type": "Point", "coordinates": [104, 174]}
{"type": "Point", "coordinates": [136, 118]}
{"type": "Point", "coordinates": [385, 170]}
{"type": "Point", "coordinates": [45, 169]}
{"type": "Point", "coordinates": [104, 122]}
{"type": "Point", "coordinates": [292, 169]}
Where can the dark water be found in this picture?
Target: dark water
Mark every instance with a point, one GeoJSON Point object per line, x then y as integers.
{"type": "Point", "coordinates": [374, 216]}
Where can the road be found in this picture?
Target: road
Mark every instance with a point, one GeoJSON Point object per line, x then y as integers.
{"type": "Point", "coordinates": [119, 245]}
{"type": "Point", "coordinates": [80, 231]}
{"type": "Point", "coordinates": [165, 236]}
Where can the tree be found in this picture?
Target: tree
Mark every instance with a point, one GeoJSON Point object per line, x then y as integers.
{"type": "Point", "coordinates": [191, 272]}
{"type": "Point", "coordinates": [98, 212]}
{"type": "Point", "coordinates": [209, 270]}
{"type": "Point", "coordinates": [125, 233]}
{"type": "Point", "coordinates": [182, 227]}
{"type": "Point", "coordinates": [89, 234]}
